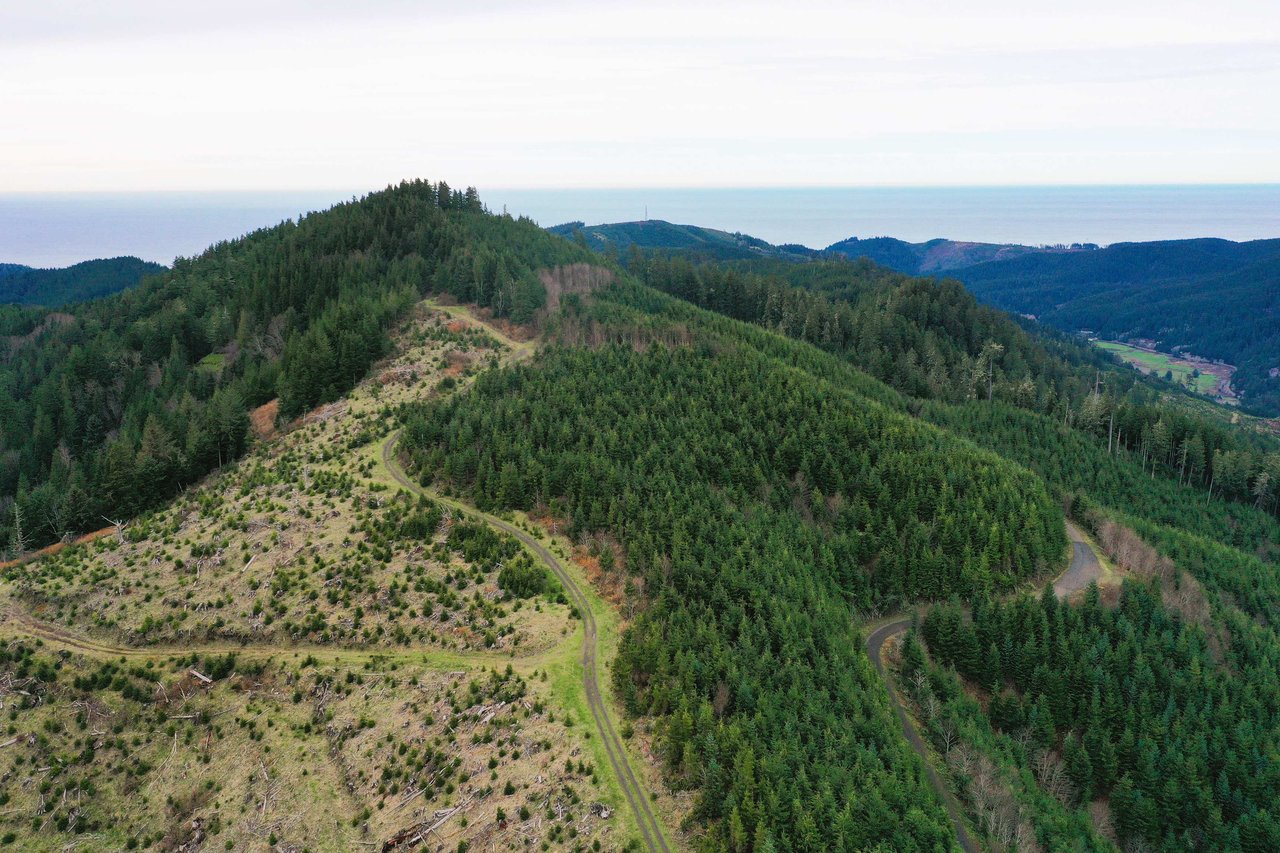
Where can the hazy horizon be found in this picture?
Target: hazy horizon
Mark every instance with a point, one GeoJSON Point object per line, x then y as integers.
{"type": "Point", "coordinates": [142, 94]}
{"type": "Point", "coordinates": [61, 228]}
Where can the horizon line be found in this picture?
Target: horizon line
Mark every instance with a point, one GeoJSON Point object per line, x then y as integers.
{"type": "Point", "coordinates": [653, 187]}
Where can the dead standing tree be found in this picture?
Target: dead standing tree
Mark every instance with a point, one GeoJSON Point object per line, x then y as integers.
{"type": "Point", "coordinates": [119, 524]}
{"type": "Point", "coordinates": [18, 543]}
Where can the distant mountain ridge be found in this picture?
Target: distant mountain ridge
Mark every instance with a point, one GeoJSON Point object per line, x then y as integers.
{"type": "Point", "coordinates": [660, 235]}
{"type": "Point", "coordinates": [927, 258]}
{"type": "Point", "coordinates": [1216, 298]}
{"type": "Point", "coordinates": [86, 280]}
{"type": "Point", "coordinates": [941, 255]}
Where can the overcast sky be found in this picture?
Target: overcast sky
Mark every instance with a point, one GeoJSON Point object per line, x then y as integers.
{"type": "Point", "coordinates": [299, 94]}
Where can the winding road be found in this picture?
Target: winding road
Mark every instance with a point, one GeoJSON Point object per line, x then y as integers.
{"type": "Point", "coordinates": [875, 642]}
{"type": "Point", "coordinates": [632, 790]}
{"type": "Point", "coordinates": [1085, 568]}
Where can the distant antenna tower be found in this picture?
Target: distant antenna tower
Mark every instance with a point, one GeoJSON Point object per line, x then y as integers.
{"type": "Point", "coordinates": [646, 213]}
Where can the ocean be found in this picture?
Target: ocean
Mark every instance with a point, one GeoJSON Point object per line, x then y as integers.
{"type": "Point", "coordinates": [57, 229]}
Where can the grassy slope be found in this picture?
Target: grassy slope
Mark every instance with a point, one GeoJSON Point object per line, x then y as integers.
{"type": "Point", "coordinates": [1160, 363]}
{"type": "Point", "coordinates": [291, 779]}
{"type": "Point", "coordinates": [563, 662]}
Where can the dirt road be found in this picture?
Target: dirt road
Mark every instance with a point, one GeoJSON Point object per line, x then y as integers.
{"type": "Point", "coordinates": [19, 622]}
{"type": "Point", "coordinates": [632, 790]}
{"type": "Point", "coordinates": [1083, 570]}
{"type": "Point", "coordinates": [875, 642]}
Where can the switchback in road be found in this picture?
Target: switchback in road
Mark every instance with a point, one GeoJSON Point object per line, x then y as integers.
{"type": "Point", "coordinates": [1084, 569]}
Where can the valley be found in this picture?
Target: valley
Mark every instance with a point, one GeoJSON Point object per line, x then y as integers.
{"type": "Point", "coordinates": [810, 429]}
{"type": "Point", "coordinates": [1198, 375]}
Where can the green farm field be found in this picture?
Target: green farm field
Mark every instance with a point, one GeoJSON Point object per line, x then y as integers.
{"type": "Point", "coordinates": [1185, 372]}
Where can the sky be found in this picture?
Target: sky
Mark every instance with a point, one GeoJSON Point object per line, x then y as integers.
{"type": "Point", "coordinates": [307, 94]}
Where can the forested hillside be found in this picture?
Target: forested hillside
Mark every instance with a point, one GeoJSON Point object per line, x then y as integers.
{"type": "Point", "coordinates": [752, 457]}
{"type": "Point", "coordinates": [619, 238]}
{"type": "Point", "coordinates": [1188, 651]}
{"type": "Point", "coordinates": [106, 408]}
{"type": "Point", "coordinates": [1216, 298]}
{"type": "Point", "coordinates": [1045, 400]}
{"type": "Point", "coordinates": [77, 283]}
{"type": "Point", "coordinates": [931, 340]}
{"type": "Point", "coordinates": [1138, 722]}
{"type": "Point", "coordinates": [755, 504]}
{"type": "Point", "coordinates": [927, 339]}
{"type": "Point", "coordinates": [751, 494]}
{"type": "Point", "coordinates": [1142, 710]}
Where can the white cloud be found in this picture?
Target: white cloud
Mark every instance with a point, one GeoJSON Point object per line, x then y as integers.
{"type": "Point", "coordinates": [138, 94]}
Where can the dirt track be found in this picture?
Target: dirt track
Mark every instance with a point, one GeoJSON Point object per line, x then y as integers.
{"type": "Point", "coordinates": [17, 621]}
{"type": "Point", "coordinates": [1083, 570]}
{"type": "Point", "coordinates": [637, 799]}
{"type": "Point", "coordinates": [875, 642]}
{"type": "Point", "coordinates": [634, 792]}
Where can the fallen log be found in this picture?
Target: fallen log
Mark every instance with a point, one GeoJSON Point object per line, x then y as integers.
{"type": "Point", "coordinates": [415, 835]}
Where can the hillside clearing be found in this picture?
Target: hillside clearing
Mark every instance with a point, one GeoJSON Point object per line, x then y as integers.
{"type": "Point", "coordinates": [302, 660]}
{"type": "Point", "coordinates": [1198, 375]}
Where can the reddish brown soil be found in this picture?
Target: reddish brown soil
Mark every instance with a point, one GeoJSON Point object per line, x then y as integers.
{"type": "Point", "coordinates": [608, 584]}
{"type": "Point", "coordinates": [263, 419]}
{"type": "Point", "coordinates": [58, 546]}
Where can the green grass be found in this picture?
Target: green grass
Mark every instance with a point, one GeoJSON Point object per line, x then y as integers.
{"type": "Point", "coordinates": [566, 679]}
{"type": "Point", "coordinates": [563, 663]}
{"type": "Point", "coordinates": [1161, 365]}
{"type": "Point", "coordinates": [211, 363]}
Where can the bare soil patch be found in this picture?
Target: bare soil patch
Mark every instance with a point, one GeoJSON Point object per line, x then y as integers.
{"type": "Point", "coordinates": [49, 550]}
{"type": "Point", "coordinates": [263, 420]}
